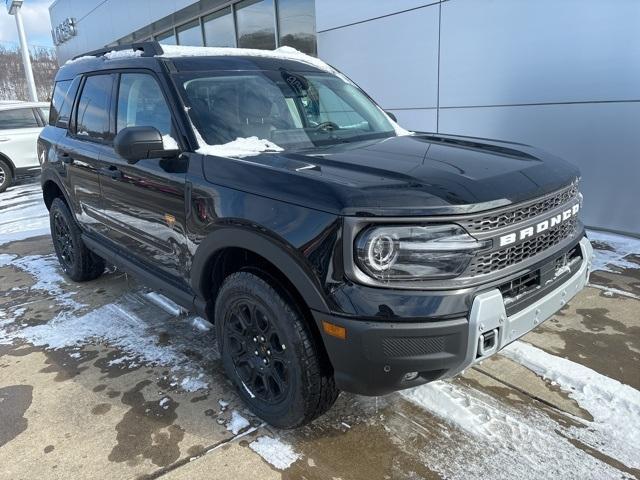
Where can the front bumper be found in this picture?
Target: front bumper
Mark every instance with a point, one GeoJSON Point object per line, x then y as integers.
{"type": "Point", "coordinates": [377, 358]}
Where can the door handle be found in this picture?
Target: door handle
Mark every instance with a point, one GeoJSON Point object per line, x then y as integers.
{"type": "Point", "coordinates": [65, 158]}
{"type": "Point", "coordinates": [111, 171]}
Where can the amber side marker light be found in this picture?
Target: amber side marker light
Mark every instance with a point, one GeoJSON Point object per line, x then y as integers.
{"type": "Point", "coordinates": [334, 330]}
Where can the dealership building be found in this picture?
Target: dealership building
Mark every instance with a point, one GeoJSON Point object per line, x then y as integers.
{"type": "Point", "coordinates": [562, 75]}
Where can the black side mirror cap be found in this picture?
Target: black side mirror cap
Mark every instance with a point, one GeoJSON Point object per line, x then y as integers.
{"type": "Point", "coordinates": [137, 143]}
{"type": "Point", "coordinates": [391, 115]}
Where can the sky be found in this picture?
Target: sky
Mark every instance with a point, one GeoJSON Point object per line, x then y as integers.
{"type": "Point", "coordinates": [35, 15]}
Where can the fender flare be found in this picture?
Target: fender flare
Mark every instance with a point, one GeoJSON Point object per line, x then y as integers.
{"type": "Point", "coordinates": [49, 176]}
{"type": "Point", "coordinates": [283, 257]}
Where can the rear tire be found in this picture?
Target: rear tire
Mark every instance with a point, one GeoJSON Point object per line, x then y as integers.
{"type": "Point", "coordinates": [6, 176]}
{"type": "Point", "coordinates": [78, 262]}
{"type": "Point", "coordinates": [269, 353]}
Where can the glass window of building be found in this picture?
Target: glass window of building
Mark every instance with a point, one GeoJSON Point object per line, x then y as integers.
{"type": "Point", "coordinates": [190, 34]}
{"type": "Point", "coordinates": [168, 38]}
{"type": "Point", "coordinates": [297, 25]}
{"type": "Point", "coordinates": [256, 24]}
{"type": "Point", "coordinates": [219, 30]}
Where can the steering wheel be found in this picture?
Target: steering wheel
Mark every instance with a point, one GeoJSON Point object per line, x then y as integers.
{"type": "Point", "coordinates": [325, 125]}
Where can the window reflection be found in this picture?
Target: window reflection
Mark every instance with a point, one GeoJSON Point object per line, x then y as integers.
{"type": "Point", "coordinates": [219, 30]}
{"type": "Point", "coordinates": [190, 34]}
{"type": "Point", "coordinates": [297, 24]}
{"type": "Point", "coordinates": [168, 38]}
{"type": "Point", "coordinates": [256, 24]}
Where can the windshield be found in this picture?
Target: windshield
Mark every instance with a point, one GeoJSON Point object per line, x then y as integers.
{"type": "Point", "coordinates": [290, 109]}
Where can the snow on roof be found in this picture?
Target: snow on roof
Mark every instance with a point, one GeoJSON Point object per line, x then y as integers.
{"type": "Point", "coordinates": [282, 53]}
{"type": "Point", "coordinates": [12, 104]}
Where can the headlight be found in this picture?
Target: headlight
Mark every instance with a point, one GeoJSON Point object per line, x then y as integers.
{"type": "Point", "coordinates": [401, 253]}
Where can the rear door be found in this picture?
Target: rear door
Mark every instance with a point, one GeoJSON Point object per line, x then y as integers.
{"type": "Point", "coordinates": [88, 138]}
{"type": "Point", "coordinates": [19, 130]}
{"type": "Point", "coordinates": [144, 203]}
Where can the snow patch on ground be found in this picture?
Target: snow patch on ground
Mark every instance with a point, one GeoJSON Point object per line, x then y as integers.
{"type": "Point", "coordinates": [615, 407]}
{"type": "Point", "coordinates": [275, 452]}
{"type": "Point", "coordinates": [507, 443]}
{"type": "Point", "coordinates": [610, 291]}
{"type": "Point", "coordinates": [237, 423]}
{"type": "Point", "coordinates": [201, 324]}
{"type": "Point", "coordinates": [193, 384]}
{"type": "Point", "coordinates": [23, 214]}
{"type": "Point", "coordinates": [121, 327]}
{"type": "Point", "coordinates": [240, 147]}
{"type": "Point", "coordinates": [617, 247]}
{"type": "Point", "coordinates": [46, 270]}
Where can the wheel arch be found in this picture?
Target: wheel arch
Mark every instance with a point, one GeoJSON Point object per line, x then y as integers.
{"type": "Point", "coordinates": [52, 188]}
{"type": "Point", "coordinates": [9, 162]}
{"type": "Point", "coordinates": [282, 258]}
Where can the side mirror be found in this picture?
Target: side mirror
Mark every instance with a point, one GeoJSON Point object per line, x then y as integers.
{"type": "Point", "coordinates": [391, 116]}
{"type": "Point", "coordinates": [137, 143]}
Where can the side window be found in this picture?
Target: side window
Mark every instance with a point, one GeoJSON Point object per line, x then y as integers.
{"type": "Point", "coordinates": [57, 100]}
{"type": "Point", "coordinates": [142, 104]}
{"type": "Point", "coordinates": [18, 118]}
{"type": "Point", "coordinates": [64, 114]}
{"type": "Point", "coordinates": [92, 115]}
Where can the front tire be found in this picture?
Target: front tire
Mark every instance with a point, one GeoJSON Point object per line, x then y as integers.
{"type": "Point", "coordinates": [78, 262]}
{"type": "Point", "coordinates": [269, 353]}
{"type": "Point", "coordinates": [6, 176]}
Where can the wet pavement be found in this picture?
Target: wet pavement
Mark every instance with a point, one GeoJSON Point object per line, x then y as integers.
{"type": "Point", "coordinates": [99, 380]}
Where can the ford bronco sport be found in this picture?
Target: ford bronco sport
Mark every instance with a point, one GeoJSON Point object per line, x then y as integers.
{"type": "Point", "coordinates": [332, 249]}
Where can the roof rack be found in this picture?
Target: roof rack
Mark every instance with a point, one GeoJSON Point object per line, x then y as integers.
{"type": "Point", "coordinates": [148, 49]}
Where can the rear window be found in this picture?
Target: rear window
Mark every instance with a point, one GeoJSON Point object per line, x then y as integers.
{"type": "Point", "coordinates": [61, 102]}
{"type": "Point", "coordinates": [18, 118]}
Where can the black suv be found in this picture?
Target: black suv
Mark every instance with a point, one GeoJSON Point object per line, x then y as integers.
{"type": "Point", "coordinates": [332, 249]}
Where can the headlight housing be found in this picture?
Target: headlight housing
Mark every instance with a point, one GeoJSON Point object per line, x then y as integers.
{"type": "Point", "coordinates": [415, 252]}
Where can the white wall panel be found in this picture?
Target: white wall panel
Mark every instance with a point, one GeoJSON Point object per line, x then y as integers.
{"type": "Point", "coordinates": [395, 59]}
{"type": "Point", "coordinates": [603, 140]}
{"type": "Point", "coordinates": [337, 13]}
{"type": "Point", "coordinates": [497, 52]}
{"type": "Point", "coordinates": [424, 120]}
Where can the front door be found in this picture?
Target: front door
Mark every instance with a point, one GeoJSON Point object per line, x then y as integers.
{"type": "Point", "coordinates": [144, 203]}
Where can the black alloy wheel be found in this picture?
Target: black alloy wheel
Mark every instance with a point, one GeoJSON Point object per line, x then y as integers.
{"type": "Point", "coordinates": [63, 242]}
{"type": "Point", "coordinates": [257, 350]}
{"type": "Point", "coordinates": [77, 261]}
{"type": "Point", "coordinates": [269, 352]}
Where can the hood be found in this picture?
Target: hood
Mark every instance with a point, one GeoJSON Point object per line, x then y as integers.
{"type": "Point", "coordinates": [407, 175]}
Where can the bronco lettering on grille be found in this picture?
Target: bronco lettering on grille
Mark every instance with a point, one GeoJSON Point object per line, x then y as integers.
{"type": "Point", "coordinates": [510, 238]}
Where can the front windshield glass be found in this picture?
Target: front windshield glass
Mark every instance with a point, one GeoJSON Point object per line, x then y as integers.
{"type": "Point", "coordinates": [294, 110]}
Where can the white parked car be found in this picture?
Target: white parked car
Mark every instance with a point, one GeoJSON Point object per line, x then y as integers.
{"type": "Point", "coordinates": [20, 125]}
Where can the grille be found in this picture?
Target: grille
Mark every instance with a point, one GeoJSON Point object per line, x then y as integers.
{"type": "Point", "coordinates": [518, 214]}
{"type": "Point", "coordinates": [399, 347]}
{"type": "Point", "coordinates": [513, 289]}
{"type": "Point", "coordinates": [493, 261]}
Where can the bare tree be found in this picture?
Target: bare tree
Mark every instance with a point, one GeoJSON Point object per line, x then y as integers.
{"type": "Point", "coordinates": [13, 85]}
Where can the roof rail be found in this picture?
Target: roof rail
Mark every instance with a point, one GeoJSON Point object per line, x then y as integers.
{"type": "Point", "coordinates": [148, 49]}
